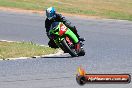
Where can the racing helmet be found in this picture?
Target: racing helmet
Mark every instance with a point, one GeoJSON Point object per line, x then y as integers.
{"type": "Point", "coordinates": [50, 13]}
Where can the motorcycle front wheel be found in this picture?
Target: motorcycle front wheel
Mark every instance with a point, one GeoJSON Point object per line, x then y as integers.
{"type": "Point", "coordinates": [67, 48]}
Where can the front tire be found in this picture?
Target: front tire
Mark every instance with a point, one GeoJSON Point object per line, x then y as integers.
{"type": "Point", "coordinates": [68, 49]}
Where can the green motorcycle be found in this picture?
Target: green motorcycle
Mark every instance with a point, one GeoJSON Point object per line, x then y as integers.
{"type": "Point", "coordinates": [66, 39]}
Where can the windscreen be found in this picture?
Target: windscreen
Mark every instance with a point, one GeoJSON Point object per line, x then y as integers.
{"type": "Point", "coordinates": [54, 25]}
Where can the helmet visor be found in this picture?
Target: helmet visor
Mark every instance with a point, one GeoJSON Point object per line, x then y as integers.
{"type": "Point", "coordinates": [49, 15]}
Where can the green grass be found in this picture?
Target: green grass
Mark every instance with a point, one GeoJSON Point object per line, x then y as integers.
{"type": "Point", "coordinates": [23, 49]}
{"type": "Point", "coordinates": [116, 9]}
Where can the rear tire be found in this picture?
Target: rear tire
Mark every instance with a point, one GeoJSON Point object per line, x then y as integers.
{"type": "Point", "coordinates": [81, 53]}
{"type": "Point", "coordinates": [68, 49]}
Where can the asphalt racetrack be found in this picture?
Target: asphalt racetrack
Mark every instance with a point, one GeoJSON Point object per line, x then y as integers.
{"type": "Point", "coordinates": [108, 48]}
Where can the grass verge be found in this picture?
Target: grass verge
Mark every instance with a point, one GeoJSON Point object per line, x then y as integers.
{"type": "Point", "coordinates": [117, 9]}
{"type": "Point", "coordinates": [23, 49]}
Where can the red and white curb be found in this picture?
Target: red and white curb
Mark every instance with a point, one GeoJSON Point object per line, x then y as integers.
{"type": "Point", "coordinates": [58, 53]}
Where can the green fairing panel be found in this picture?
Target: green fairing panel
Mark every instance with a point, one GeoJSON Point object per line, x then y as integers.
{"type": "Point", "coordinates": [68, 32]}
{"type": "Point", "coordinates": [72, 35]}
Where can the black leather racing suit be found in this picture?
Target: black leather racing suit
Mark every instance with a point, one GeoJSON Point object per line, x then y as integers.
{"type": "Point", "coordinates": [58, 18]}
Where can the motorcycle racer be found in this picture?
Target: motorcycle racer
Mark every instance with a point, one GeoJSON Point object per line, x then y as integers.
{"type": "Point", "coordinates": [52, 16]}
